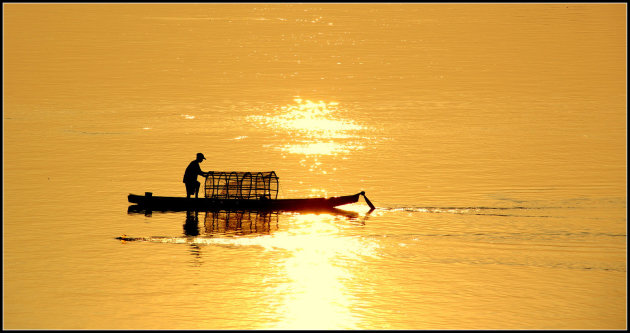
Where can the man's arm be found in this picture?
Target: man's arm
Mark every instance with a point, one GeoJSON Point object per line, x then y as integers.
{"type": "Point", "coordinates": [205, 174]}
{"type": "Point", "coordinates": [200, 172]}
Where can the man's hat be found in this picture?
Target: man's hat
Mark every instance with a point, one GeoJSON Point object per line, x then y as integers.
{"type": "Point", "coordinates": [200, 155]}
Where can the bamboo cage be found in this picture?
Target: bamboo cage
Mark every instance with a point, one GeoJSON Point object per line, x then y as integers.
{"type": "Point", "coordinates": [241, 185]}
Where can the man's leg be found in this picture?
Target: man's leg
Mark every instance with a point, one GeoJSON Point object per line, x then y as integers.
{"type": "Point", "coordinates": [188, 190]}
{"type": "Point", "coordinates": [197, 190]}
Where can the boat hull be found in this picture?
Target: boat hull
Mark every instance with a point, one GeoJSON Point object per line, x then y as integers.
{"type": "Point", "coordinates": [158, 203]}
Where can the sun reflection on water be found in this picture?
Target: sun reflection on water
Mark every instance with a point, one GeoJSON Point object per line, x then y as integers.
{"type": "Point", "coordinates": [312, 119]}
{"type": "Point", "coordinates": [315, 294]}
{"type": "Point", "coordinates": [313, 129]}
{"type": "Point", "coordinates": [319, 148]}
{"type": "Point", "coordinates": [310, 284]}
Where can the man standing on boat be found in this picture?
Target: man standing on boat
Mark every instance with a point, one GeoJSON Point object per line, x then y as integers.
{"type": "Point", "coordinates": [190, 176]}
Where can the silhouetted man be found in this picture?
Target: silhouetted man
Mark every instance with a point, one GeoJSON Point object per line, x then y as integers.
{"type": "Point", "coordinates": [190, 176]}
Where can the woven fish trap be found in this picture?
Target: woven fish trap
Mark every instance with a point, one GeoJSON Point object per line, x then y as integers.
{"type": "Point", "coordinates": [241, 185]}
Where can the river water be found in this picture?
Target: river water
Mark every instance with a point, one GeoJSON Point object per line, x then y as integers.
{"type": "Point", "coordinates": [490, 137]}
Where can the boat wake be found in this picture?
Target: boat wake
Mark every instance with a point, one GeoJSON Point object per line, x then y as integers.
{"type": "Point", "coordinates": [486, 211]}
{"type": "Point", "coordinates": [197, 240]}
{"type": "Point", "coordinates": [351, 247]}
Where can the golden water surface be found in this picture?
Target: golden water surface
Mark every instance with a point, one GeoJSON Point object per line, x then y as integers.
{"type": "Point", "coordinates": [491, 138]}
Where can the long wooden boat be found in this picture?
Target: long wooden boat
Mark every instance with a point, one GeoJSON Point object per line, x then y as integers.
{"type": "Point", "coordinates": [158, 203]}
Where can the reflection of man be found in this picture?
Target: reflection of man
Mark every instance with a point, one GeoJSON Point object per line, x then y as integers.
{"type": "Point", "coordinates": [191, 227]}
{"type": "Point", "coordinates": [190, 176]}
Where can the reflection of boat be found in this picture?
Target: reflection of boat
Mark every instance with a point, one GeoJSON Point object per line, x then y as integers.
{"type": "Point", "coordinates": [149, 202]}
{"type": "Point", "coordinates": [227, 223]}
{"type": "Point", "coordinates": [221, 223]}
{"type": "Point", "coordinates": [138, 209]}
{"type": "Point", "coordinates": [240, 222]}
